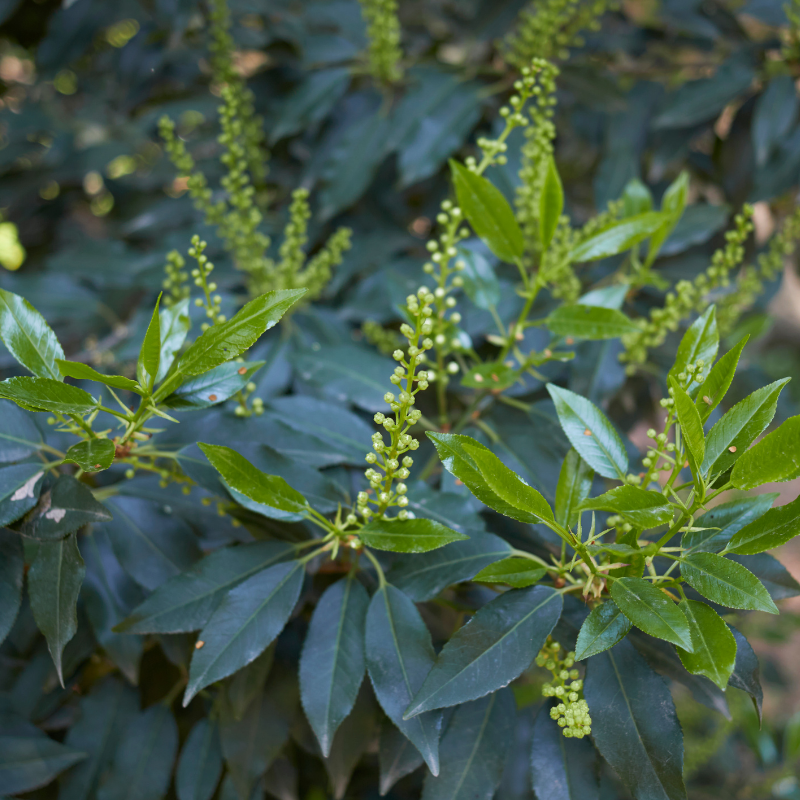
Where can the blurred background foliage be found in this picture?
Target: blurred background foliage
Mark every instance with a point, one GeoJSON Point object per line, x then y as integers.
{"type": "Point", "coordinates": [92, 206]}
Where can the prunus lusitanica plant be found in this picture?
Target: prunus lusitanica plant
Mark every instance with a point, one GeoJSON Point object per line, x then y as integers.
{"type": "Point", "coordinates": [355, 509]}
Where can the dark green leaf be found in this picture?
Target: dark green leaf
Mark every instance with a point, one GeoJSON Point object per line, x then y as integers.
{"type": "Point", "coordinates": [642, 508]}
{"type": "Point", "coordinates": [332, 663]}
{"type": "Point", "coordinates": [589, 322]}
{"type": "Point", "coordinates": [699, 343]}
{"type": "Point", "coordinates": [187, 601]}
{"type": "Point", "coordinates": [714, 652]}
{"type": "Point", "coordinates": [775, 458]}
{"type": "Point", "coordinates": [248, 683]}
{"type": "Point", "coordinates": [150, 354]}
{"type": "Point", "coordinates": [423, 576]}
{"type": "Point", "coordinates": [494, 647]}
{"type": "Point", "coordinates": [602, 629]}
{"type": "Point", "coordinates": [719, 379]}
{"type": "Point", "coordinates": [649, 609]}
{"type": "Point", "coordinates": [28, 762]}
{"type": "Point", "coordinates": [618, 237]}
{"type": "Point", "coordinates": [214, 386]}
{"type": "Point", "coordinates": [516, 572]}
{"type": "Point", "coordinates": [144, 758]}
{"type": "Point", "coordinates": [174, 323]}
{"type": "Point", "coordinates": [774, 115]}
{"type": "Point", "coordinates": [590, 433]}
{"type": "Point", "coordinates": [242, 476]}
{"type": "Point", "coordinates": [725, 582]}
{"type": "Point", "coordinates": [644, 748]}
{"type": "Point", "coordinates": [746, 671]}
{"type": "Point", "coordinates": [408, 536]}
{"type": "Point", "coordinates": [92, 455]}
{"type": "Point", "coordinates": [574, 485]}
{"type": "Point", "coordinates": [200, 763]}
{"type": "Point", "coordinates": [249, 617]}
{"type": "Point", "coordinates": [489, 213]}
{"type": "Point", "coordinates": [776, 527]}
{"type": "Point", "coordinates": [777, 580]}
{"type": "Point", "coordinates": [724, 521]}
{"type": "Point", "coordinates": [46, 394]}
{"type": "Point", "coordinates": [28, 337]}
{"type": "Point", "coordinates": [551, 204]}
{"type": "Point", "coordinates": [19, 490]}
{"type": "Point", "coordinates": [83, 372]}
{"type": "Point", "coordinates": [480, 282]}
{"type": "Point", "coordinates": [474, 750]}
{"type": "Point", "coordinates": [19, 436]}
{"type": "Point", "coordinates": [54, 582]}
{"type": "Point", "coordinates": [12, 570]}
{"type": "Point", "coordinates": [397, 756]}
{"type": "Point", "coordinates": [399, 656]}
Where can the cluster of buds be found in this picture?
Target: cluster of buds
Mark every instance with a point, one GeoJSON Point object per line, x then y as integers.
{"type": "Point", "coordinates": [211, 302]}
{"type": "Point", "coordinates": [572, 712]}
{"type": "Point", "coordinates": [389, 458]}
{"type": "Point", "coordinates": [175, 282]}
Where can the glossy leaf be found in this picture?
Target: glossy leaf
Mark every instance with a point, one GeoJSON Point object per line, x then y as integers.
{"type": "Point", "coordinates": [54, 582]}
{"type": "Point", "coordinates": [775, 458]}
{"type": "Point", "coordinates": [332, 664]}
{"type": "Point", "coordinates": [474, 750]}
{"type": "Point", "coordinates": [150, 353]}
{"type": "Point", "coordinates": [241, 475]}
{"type": "Point", "coordinates": [649, 609]}
{"type": "Point", "coordinates": [718, 381]}
{"type": "Point", "coordinates": [28, 337]}
{"type": "Point", "coordinates": [200, 763]}
{"type": "Point", "coordinates": [491, 650]}
{"type": "Point", "coordinates": [602, 629]}
{"type": "Point", "coordinates": [551, 204]}
{"type": "Point", "coordinates": [691, 427]}
{"type": "Point", "coordinates": [247, 620]}
{"type": "Point", "coordinates": [515, 572]}
{"type": "Point", "coordinates": [618, 237]}
{"type": "Point", "coordinates": [574, 485]}
{"type": "Point", "coordinates": [590, 433]}
{"type": "Point", "coordinates": [12, 570]}
{"type": "Point", "coordinates": [92, 455]}
{"type": "Point", "coordinates": [174, 324]}
{"type": "Point", "coordinates": [699, 343]}
{"type": "Point", "coordinates": [489, 213]}
{"type": "Point", "coordinates": [776, 527]}
{"type": "Point", "coordinates": [83, 372]}
{"type": "Point", "coordinates": [46, 394]}
{"type": "Point", "coordinates": [416, 535]}
{"type": "Point", "coordinates": [714, 653]}
{"type": "Point", "coordinates": [724, 521]}
{"type": "Point", "coordinates": [725, 582]}
{"type": "Point", "coordinates": [589, 322]}
{"type": "Point", "coordinates": [641, 508]}
{"type": "Point", "coordinates": [644, 748]}
{"type": "Point", "coordinates": [214, 386]}
{"type": "Point", "coordinates": [399, 656]}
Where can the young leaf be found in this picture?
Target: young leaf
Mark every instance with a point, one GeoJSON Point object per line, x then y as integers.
{"type": "Point", "coordinates": [718, 381]}
{"type": "Point", "coordinates": [740, 427]}
{"type": "Point", "coordinates": [650, 610]}
{"type": "Point", "coordinates": [618, 237]}
{"type": "Point", "coordinates": [46, 394]}
{"type": "Point", "coordinates": [54, 582]}
{"type": "Point", "coordinates": [636, 198]}
{"type": "Point", "coordinates": [574, 485]}
{"type": "Point", "coordinates": [332, 664]}
{"type": "Point", "coordinates": [489, 213]}
{"type": "Point", "coordinates": [12, 570]}
{"type": "Point", "coordinates": [416, 535]}
{"type": "Point", "coordinates": [200, 763]}
{"type": "Point", "coordinates": [83, 372]}
{"type": "Point", "coordinates": [174, 324]}
{"type": "Point", "coordinates": [590, 433]}
{"type": "Point", "coordinates": [602, 629]}
{"type": "Point", "coordinates": [474, 750]}
{"type": "Point", "coordinates": [722, 522]}
{"type": "Point", "coordinates": [491, 650]}
{"type": "Point", "coordinates": [244, 624]}
{"type": "Point", "coordinates": [589, 322]}
{"type": "Point", "coordinates": [399, 656]}
{"type": "Point", "coordinates": [551, 204]}
{"type": "Point", "coordinates": [186, 602]}
{"type": "Point", "coordinates": [214, 386]}
{"type": "Point", "coordinates": [714, 652]}
{"type": "Point", "coordinates": [28, 337]}
{"type": "Point", "coordinates": [775, 458]}
{"type": "Point", "coordinates": [92, 455]}
{"type": "Point", "coordinates": [699, 343]}
{"type": "Point", "coordinates": [241, 475]}
{"type": "Point", "coordinates": [776, 527]}
{"type": "Point", "coordinates": [644, 748]}
{"type": "Point", "coordinates": [516, 572]}
{"type": "Point", "coordinates": [642, 508]}
{"type": "Point", "coordinates": [508, 486]}
{"type": "Point", "coordinates": [673, 203]}
{"type": "Point", "coordinates": [150, 352]}
{"type": "Point", "coordinates": [691, 427]}
{"type": "Point", "coordinates": [725, 582]}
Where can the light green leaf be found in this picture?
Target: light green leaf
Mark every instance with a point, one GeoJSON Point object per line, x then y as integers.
{"type": "Point", "coordinates": [175, 323]}
{"type": "Point", "coordinates": [551, 204]}
{"type": "Point", "coordinates": [691, 428]}
{"type": "Point", "coordinates": [672, 204]}
{"type": "Point", "coordinates": [28, 337]}
{"type": "Point", "coordinates": [725, 582]}
{"type": "Point", "coordinates": [417, 535]}
{"type": "Point", "coordinates": [699, 343]}
{"type": "Point", "coordinates": [714, 652]}
{"type": "Point", "coordinates": [150, 353]}
{"type": "Point", "coordinates": [590, 433]}
{"type": "Point", "coordinates": [489, 213]}
{"type": "Point", "coordinates": [83, 372]}
{"type": "Point", "coordinates": [516, 572]}
{"type": "Point", "coordinates": [775, 458]}
{"type": "Point", "coordinates": [241, 475]}
{"type": "Point", "coordinates": [649, 609]}
{"type": "Point", "coordinates": [92, 455]}
{"type": "Point", "coordinates": [636, 198]}
{"type": "Point", "coordinates": [642, 508]}
{"type": "Point", "coordinates": [618, 237]}
{"type": "Point", "coordinates": [719, 379]}
{"type": "Point", "coordinates": [574, 485]}
{"type": "Point", "coordinates": [589, 322]}
{"type": "Point", "coordinates": [778, 526]}
{"type": "Point", "coordinates": [602, 629]}
{"type": "Point", "coordinates": [46, 394]}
